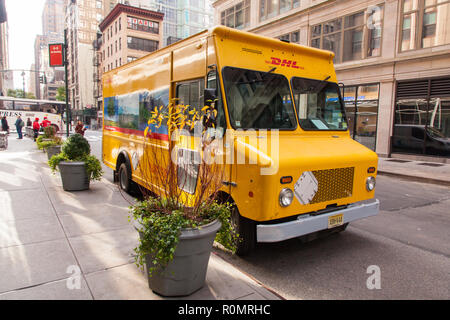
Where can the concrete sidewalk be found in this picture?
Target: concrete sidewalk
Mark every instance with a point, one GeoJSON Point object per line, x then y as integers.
{"type": "Point", "coordinates": [47, 235]}
{"type": "Point", "coordinates": [421, 171]}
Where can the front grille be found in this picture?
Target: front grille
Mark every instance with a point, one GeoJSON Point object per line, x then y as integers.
{"type": "Point", "coordinates": [333, 184]}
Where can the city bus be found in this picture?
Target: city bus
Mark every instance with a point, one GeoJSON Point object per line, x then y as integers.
{"type": "Point", "coordinates": [31, 109]}
{"type": "Point", "coordinates": [280, 113]}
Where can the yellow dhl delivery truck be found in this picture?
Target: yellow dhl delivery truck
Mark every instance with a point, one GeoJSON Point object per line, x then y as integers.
{"type": "Point", "coordinates": [296, 170]}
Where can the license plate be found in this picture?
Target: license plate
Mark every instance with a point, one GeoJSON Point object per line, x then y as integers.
{"type": "Point", "coordinates": [335, 221]}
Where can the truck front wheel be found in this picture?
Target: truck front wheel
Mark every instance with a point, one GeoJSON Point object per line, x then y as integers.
{"type": "Point", "coordinates": [124, 179]}
{"type": "Point", "coordinates": [246, 229]}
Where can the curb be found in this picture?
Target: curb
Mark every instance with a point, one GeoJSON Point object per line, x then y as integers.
{"type": "Point", "coordinates": [415, 178]}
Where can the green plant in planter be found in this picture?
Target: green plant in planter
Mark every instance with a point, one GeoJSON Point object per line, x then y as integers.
{"type": "Point", "coordinates": [45, 143]}
{"type": "Point", "coordinates": [49, 132]}
{"type": "Point", "coordinates": [161, 226]}
{"type": "Point", "coordinates": [171, 209]}
{"type": "Point", "coordinates": [48, 139]}
{"type": "Point", "coordinates": [77, 148]}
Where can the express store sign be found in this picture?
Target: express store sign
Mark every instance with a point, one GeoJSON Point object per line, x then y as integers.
{"type": "Point", "coordinates": [142, 24]}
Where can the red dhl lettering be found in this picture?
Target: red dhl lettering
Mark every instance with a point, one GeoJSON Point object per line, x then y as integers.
{"type": "Point", "coordinates": [284, 63]}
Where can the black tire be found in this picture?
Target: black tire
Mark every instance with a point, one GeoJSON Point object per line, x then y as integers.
{"type": "Point", "coordinates": [246, 229]}
{"type": "Point", "coordinates": [124, 178]}
{"type": "Point", "coordinates": [56, 127]}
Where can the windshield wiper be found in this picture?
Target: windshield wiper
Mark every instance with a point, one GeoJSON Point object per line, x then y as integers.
{"type": "Point", "coordinates": [259, 80]}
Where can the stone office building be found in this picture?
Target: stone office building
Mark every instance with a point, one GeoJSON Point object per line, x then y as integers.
{"type": "Point", "coordinates": [392, 59]}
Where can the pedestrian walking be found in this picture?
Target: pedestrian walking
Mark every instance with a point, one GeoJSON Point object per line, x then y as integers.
{"type": "Point", "coordinates": [36, 127]}
{"type": "Point", "coordinates": [29, 123]}
{"type": "Point", "coordinates": [5, 126]}
{"type": "Point", "coordinates": [19, 125]}
{"type": "Point", "coordinates": [80, 128]}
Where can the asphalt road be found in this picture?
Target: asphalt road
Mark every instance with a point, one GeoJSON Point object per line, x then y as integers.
{"type": "Point", "coordinates": [407, 244]}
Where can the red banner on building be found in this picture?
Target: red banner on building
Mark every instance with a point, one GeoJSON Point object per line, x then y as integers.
{"type": "Point", "coordinates": [56, 54]}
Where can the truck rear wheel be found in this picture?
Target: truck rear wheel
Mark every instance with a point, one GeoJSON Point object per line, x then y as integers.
{"type": "Point", "coordinates": [246, 229]}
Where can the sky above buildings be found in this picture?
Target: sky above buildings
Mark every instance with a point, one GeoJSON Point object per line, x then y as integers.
{"type": "Point", "coordinates": [24, 22]}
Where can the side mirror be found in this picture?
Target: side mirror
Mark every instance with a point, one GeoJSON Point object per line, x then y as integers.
{"type": "Point", "coordinates": [210, 94]}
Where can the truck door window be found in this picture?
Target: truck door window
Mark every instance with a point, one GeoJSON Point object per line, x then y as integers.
{"type": "Point", "coordinates": [318, 104]}
{"type": "Point", "coordinates": [212, 83]}
{"type": "Point", "coordinates": [190, 93]}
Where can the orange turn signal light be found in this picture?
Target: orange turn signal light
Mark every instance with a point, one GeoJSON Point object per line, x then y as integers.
{"type": "Point", "coordinates": [371, 170]}
{"type": "Point", "coordinates": [285, 180]}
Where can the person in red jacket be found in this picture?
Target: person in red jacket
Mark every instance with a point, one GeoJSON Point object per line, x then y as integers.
{"type": "Point", "coordinates": [45, 123]}
{"type": "Point", "coordinates": [36, 128]}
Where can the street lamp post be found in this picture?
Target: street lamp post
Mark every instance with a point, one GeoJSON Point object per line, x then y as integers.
{"type": "Point", "coordinates": [66, 63]}
{"type": "Point", "coordinates": [23, 78]}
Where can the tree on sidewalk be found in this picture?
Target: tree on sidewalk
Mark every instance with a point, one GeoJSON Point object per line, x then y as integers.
{"type": "Point", "coordinates": [61, 94]}
{"type": "Point", "coordinates": [18, 93]}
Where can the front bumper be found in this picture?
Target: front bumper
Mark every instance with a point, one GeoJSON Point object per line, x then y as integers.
{"type": "Point", "coordinates": [306, 224]}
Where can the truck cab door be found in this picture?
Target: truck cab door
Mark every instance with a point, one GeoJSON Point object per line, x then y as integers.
{"type": "Point", "coordinates": [213, 97]}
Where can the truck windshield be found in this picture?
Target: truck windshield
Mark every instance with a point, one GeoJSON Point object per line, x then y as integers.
{"type": "Point", "coordinates": [258, 100]}
{"type": "Point", "coordinates": [318, 105]}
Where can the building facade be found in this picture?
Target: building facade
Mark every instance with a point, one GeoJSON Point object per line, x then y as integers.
{"type": "Point", "coordinates": [53, 32]}
{"type": "Point", "coordinates": [40, 59]}
{"type": "Point", "coordinates": [127, 33]}
{"type": "Point", "coordinates": [6, 78]}
{"type": "Point", "coordinates": [392, 59]}
{"type": "Point", "coordinates": [82, 18]}
{"type": "Point", "coordinates": [182, 18]}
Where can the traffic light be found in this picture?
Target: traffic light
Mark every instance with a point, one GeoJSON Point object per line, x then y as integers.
{"type": "Point", "coordinates": [43, 79]}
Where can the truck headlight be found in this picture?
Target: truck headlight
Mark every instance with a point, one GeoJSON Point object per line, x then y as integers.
{"type": "Point", "coordinates": [370, 183]}
{"type": "Point", "coordinates": [286, 197]}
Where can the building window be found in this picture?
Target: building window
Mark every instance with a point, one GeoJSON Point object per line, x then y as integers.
{"type": "Point", "coordinates": [361, 108]}
{"type": "Point", "coordinates": [237, 17]}
{"type": "Point", "coordinates": [142, 44]}
{"type": "Point", "coordinates": [293, 37]}
{"type": "Point", "coordinates": [424, 24]}
{"type": "Point", "coordinates": [142, 25]}
{"type": "Point", "coordinates": [422, 117]}
{"type": "Point", "coordinates": [353, 37]}
{"type": "Point", "coordinates": [271, 8]}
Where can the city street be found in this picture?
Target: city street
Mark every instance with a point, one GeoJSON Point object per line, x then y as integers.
{"type": "Point", "coordinates": [327, 124]}
{"type": "Point", "coordinates": [408, 241]}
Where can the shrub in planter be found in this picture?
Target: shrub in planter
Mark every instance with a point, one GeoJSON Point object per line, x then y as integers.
{"type": "Point", "coordinates": [177, 227]}
{"type": "Point", "coordinates": [76, 165]}
{"type": "Point", "coordinates": [48, 139]}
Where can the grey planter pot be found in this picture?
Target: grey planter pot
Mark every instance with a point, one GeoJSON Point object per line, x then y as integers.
{"type": "Point", "coordinates": [186, 273]}
{"type": "Point", "coordinates": [52, 150]}
{"type": "Point", "coordinates": [74, 176]}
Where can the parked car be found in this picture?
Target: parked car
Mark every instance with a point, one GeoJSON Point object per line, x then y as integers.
{"type": "Point", "coordinates": [410, 138]}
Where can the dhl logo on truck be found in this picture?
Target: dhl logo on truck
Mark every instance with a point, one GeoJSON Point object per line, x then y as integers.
{"type": "Point", "coordinates": [284, 63]}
